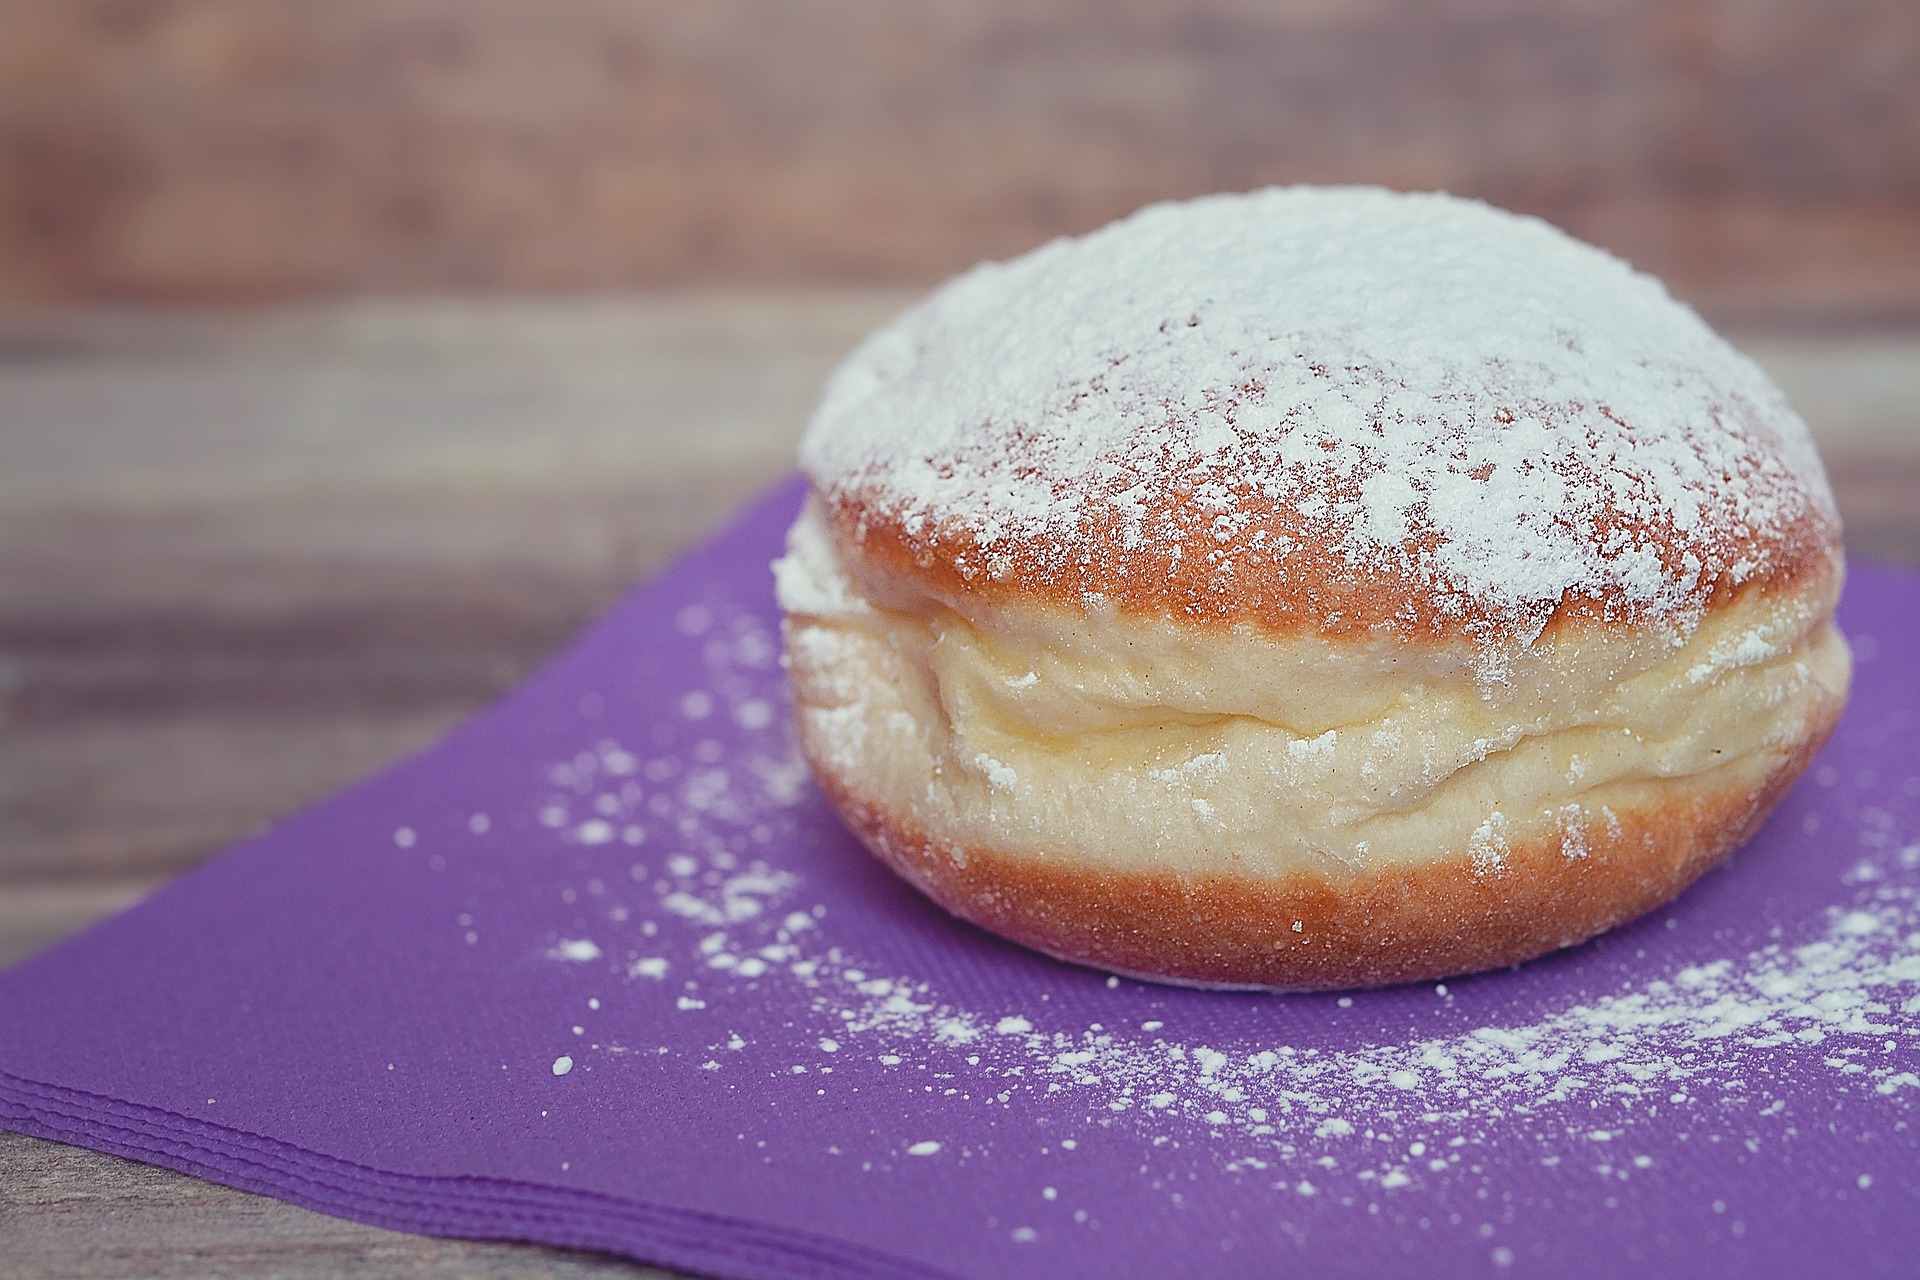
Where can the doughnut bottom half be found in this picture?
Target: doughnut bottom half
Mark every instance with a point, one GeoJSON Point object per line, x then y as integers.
{"type": "Point", "coordinates": [1231, 808]}
{"type": "Point", "coordinates": [1317, 932]}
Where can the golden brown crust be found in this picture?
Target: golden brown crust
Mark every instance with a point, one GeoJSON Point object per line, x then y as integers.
{"type": "Point", "coordinates": [1314, 589]}
{"type": "Point", "coordinates": [1435, 920]}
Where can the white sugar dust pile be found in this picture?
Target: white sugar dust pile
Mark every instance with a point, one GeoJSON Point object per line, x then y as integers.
{"type": "Point", "coordinates": [703, 919]}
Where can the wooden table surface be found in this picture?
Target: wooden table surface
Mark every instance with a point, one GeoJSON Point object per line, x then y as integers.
{"type": "Point", "coordinates": [246, 558]}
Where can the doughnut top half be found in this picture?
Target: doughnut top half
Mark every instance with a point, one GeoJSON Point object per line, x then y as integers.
{"type": "Point", "coordinates": [1336, 410]}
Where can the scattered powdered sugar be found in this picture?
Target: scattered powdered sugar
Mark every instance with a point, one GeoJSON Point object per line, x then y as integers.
{"type": "Point", "coordinates": [1749, 648]}
{"type": "Point", "coordinates": [998, 774]}
{"type": "Point", "coordinates": [691, 912]}
{"type": "Point", "coordinates": [1469, 402]}
{"type": "Point", "coordinates": [1487, 846]}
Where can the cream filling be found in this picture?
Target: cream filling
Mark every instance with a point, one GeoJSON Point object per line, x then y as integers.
{"type": "Point", "coordinates": [1136, 744]}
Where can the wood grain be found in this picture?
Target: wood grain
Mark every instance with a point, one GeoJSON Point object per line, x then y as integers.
{"type": "Point", "coordinates": [245, 559]}
{"type": "Point", "coordinates": [70, 1213]}
{"type": "Point", "coordinates": [1759, 151]}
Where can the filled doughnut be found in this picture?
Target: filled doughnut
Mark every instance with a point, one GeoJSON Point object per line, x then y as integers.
{"type": "Point", "coordinates": [1313, 588]}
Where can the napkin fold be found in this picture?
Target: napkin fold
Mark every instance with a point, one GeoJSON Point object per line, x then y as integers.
{"type": "Point", "coordinates": [602, 969]}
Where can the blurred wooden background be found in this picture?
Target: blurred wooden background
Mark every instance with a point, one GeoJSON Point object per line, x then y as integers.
{"type": "Point", "coordinates": [250, 553]}
{"type": "Point", "coordinates": [1764, 155]}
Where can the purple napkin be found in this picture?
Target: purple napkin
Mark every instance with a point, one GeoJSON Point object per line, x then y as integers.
{"type": "Point", "coordinates": [602, 969]}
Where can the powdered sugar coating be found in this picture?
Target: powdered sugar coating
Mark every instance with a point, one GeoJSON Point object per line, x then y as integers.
{"type": "Point", "coordinates": [1408, 412]}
